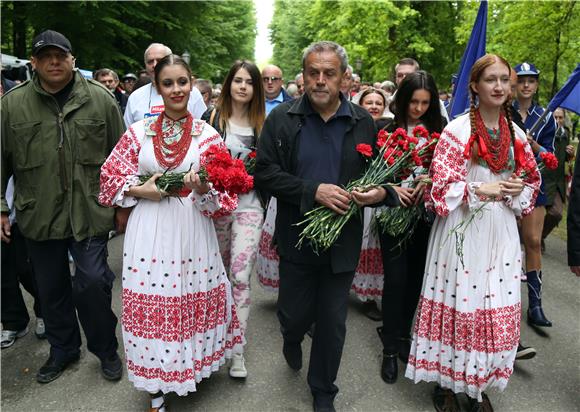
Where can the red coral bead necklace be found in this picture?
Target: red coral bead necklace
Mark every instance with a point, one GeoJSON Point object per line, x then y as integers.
{"type": "Point", "coordinates": [171, 155]}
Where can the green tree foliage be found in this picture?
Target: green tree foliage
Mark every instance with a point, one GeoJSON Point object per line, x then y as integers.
{"type": "Point", "coordinates": [375, 34]}
{"type": "Point", "coordinates": [546, 34]}
{"type": "Point", "coordinates": [115, 34]}
{"type": "Point", "coordinates": [379, 33]}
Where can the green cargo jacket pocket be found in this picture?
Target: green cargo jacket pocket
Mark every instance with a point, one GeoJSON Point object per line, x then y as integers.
{"type": "Point", "coordinates": [90, 141]}
{"type": "Point", "coordinates": [27, 141]}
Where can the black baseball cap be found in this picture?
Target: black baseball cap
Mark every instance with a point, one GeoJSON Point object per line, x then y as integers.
{"type": "Point", "coordinates": [50, 38]}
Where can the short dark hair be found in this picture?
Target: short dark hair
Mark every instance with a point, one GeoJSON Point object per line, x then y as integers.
{"type": "Point", "coordinates": [407, 61]}
{"type": "Point", "coordinates": [169, 60]}
{"type": "Point", "coordinates": [417, 81]}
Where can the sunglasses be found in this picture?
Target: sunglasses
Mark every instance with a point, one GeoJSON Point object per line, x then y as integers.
{"type": "Point", "coordinates": [271, 79]}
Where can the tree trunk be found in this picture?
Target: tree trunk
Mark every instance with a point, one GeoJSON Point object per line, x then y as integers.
{"type": "Point", "coordinates": [555, 65]}
{"type": "Point", "coordinates": [561, 26]}
{"type": "Point", "coordinates": [19, 29]}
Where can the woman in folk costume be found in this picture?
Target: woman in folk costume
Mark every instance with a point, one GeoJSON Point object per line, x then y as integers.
{"type": "Point", "coordinates": [268, 260]}
{"type": "Point", "coordinates": [416, 103]}
{"type": "Point", "coordinates": [238, 117]}
{"type": "Point", "coordinates": [179, 319]}
{"type": "Point", "coordinates": [368, 277]}
{"type": "Point", "coordinates": [468, 320]}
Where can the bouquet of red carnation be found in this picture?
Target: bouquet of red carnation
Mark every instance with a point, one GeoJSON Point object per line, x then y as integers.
{"type": "Point", "coordinates": [225, 173]}
{"type": "Point", "coordinates": [547, 161]}
{"type": "Point", "coordinates": [398, 153]}
{"type": "Point", "coordinates": [402, 221]}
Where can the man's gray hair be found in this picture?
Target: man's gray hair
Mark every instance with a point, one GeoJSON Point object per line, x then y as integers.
{"type": "Point", "coordinates": [167, 50]}
{"type": "Point", "coordinates": [105, 72]}
{"type": "Point", "coordinates": [323, 46]}
{"type": "Point", "coordinates": [298, 76]}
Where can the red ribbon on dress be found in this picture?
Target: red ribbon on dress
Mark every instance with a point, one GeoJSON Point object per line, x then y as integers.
{"type": "Point", "coordinates": [481, 147]}
{"type": "Point", "coordinates": [519, 153]}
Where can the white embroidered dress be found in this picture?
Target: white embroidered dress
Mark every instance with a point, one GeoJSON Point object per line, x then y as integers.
{"type": "Point", "coordinates": [179, 320]}
{"type": "Point", "coordinates": [368, 280]}
{"type": "Point", "coordinates": [468, 320]}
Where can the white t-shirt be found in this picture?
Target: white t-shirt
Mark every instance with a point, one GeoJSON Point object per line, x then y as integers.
{"type": "Point", "coordinates": [239, 141]}
{"type": "Point", "coordinates": [145, 102]}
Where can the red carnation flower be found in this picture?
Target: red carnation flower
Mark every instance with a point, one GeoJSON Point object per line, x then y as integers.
{"type": "Point", "coordinates": [364, 149]}
{"type": "Point", "coordinates": [381, 139]}
{"type": "Point", "coordinates": [226, 174]}
{"type": "Point", "coordinates": [252, 154]}
{"type": "Point", "coordinates": [399, 132]}
{"type": "Point", "coordinates": [420, 131]}
{"type": "Point", "coordinates": [549, 160]}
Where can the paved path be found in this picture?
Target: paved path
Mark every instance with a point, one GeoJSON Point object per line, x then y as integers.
{"type": "Point", "coordinates": [550, 382]}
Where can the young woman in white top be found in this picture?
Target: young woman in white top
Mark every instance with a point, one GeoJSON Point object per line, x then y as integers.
{"type": "Point", "coordinates": [239, 116]}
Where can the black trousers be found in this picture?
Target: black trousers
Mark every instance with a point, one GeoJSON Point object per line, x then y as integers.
{"type": "Point", "coordinates": [16, 270]}
{"type": "Point", "coordinates": [404, 269]}
{"type": "Point", "coordinates": [313, 294]}
{"type": "Point", "coordinates": [87, 293]}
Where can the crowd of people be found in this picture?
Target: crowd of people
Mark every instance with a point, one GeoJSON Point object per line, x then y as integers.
{"type": "Point", "coordinates": [81, 158]}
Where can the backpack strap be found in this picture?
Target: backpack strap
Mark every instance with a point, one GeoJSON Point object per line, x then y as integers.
{"type": "Point", "coordinates": [212, 116]}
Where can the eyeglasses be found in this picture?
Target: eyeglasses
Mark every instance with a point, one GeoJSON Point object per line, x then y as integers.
{"type": "Point", "coordinates": [271, 79]}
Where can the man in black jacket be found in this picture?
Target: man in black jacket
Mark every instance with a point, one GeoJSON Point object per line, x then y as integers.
{"type": "Point", "coordinates": [306, 155]}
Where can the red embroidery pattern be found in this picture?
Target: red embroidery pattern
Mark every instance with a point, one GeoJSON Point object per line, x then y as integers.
{"type": "Point", "coordinates": [264, 281]}
{"type": "Point", "coordinates": [366, 292]}
{"type": "Point", "coordinates": [121, 163]}
{"type": "Point", "coordinates": [448, 166]}
{"type": "Point", "coordinates": [266, 249]}
{"type": "Point", "coordinates": [533, 179]}
{"type": "Point", "coordinates": [485, 330]}
{"type": "Point", "coordinates": [198, 126]}
{"type": "Point", "coordinates": [207, 142]}
{"type": "Point", "coordinates": [175, 318]}
{"type": "Point", "coordinates": [370, 262]}
{"type": "Point", "coordinates": [181, 376]}
{"type": "Point", "coordinates": [459, 376]}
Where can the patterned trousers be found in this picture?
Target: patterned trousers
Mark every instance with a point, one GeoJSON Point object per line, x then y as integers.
{"type": "Point", "coordinates": [238, 235]}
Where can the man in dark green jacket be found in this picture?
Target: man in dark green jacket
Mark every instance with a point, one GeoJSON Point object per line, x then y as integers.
{"type": "Point", "coordinates": [57, 130]}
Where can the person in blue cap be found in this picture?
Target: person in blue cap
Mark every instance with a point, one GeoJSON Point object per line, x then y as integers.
{"type": "Point", "coordinates": [541, 140]}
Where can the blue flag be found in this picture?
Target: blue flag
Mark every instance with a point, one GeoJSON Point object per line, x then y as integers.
{"type": "Point", "coordinates": [474, 50]}
{"type": "Point", "coordinates": [569, 95]}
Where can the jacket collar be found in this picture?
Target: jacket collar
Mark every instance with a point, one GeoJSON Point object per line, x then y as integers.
{"type": "Point", "coordinates": [531, 109]}
{"type": "Point", "coordinates": [302, 107]}
{"type": "Point", "coordinates": [79, 95]}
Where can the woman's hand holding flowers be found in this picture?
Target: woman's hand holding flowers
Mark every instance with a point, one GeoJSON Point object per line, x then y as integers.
{"type": "Point", "coordinates": [192, 181]}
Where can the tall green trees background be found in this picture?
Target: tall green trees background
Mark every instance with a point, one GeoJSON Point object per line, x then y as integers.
{"type": "Point", "coordinates": [115, 34]}
{"type": "Point", "coordinates": [377, 34]}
